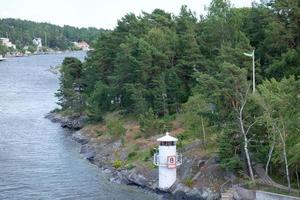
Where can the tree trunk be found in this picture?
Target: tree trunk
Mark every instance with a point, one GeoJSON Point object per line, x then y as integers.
{"type": "Point", "coordinates": [246, 142]}
{"type": "Point", "coordinates": [248, 159]}
{"type": "Point", "coordinates": [270, 154]}
{"type": "Point", "coordinates": [285, 160]}
{"type": "Point", "coordinates": [297, 176]}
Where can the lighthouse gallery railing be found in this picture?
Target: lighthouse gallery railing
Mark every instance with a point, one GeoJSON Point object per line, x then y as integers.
{"type": "Point", "coordinates": [157, 162]}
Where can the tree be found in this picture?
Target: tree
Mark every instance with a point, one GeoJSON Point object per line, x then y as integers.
{"type": "Point", "coordinates": [71, 85]}
{"type": "Point", "coordinates": [280, 101]}
{"type": "Point", "coordinates": [195, 114]}
{"type": "Point", "coordinates": [22, 32]}
{"type": "Point", "coordinates": [228, 90]}
{"type": "Point", "coordinates": [100, 101]}
{"type": "Point", "coordinates": [3, 49]}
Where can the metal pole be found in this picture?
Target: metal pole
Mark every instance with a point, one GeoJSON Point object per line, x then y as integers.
{"type": "Point", "coordinates": [253, 70]}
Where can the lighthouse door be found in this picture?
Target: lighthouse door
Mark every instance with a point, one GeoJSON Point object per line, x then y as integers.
{"type": "Point", "coordinates": [171, 162]}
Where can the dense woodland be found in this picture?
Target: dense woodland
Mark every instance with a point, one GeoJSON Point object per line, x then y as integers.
{"type": "Point", "coordinates": [159, 67]}
{"type": "Point", "coordinates": [22, 32]}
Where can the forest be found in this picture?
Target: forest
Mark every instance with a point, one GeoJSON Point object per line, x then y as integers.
{"type": "Point", "coordinates": [22, 32]}
{"type": "Point", "coordinates": [158, 68]}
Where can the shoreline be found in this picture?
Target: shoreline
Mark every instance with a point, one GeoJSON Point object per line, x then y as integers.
{"type": "Point", "coordinates": [97, 153]}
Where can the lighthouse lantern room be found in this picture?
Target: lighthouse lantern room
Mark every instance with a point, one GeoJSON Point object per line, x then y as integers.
{"type": "Point", "coordinates": [167, 160]}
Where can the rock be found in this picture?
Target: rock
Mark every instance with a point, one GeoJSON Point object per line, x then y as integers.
{"type": "Point", "coordinates": [180, 187]}
{"type": "Point", "coordinates": [115, 180]}
{"type": "Point", "coordinates": [185, 170]}
{"type": "Point", "coordinates": [183, 192]}
{"type": "Point", "coordinates": [201, 163]}
{"type": "Point", "coordinates": [212, 160]}
{"type": "Point", "coordinates": [81, 139]}
{"type": "Point", "coordinates": [88, 152]}
{"type": "Point", "coordinates": [138, 179]}
{"type": "Point", "coordinates": [75, 122]}
{"type": "Point", "coordinates": [119, 177]}
{"type": "Point", "coordinates": [102, 154]}
{"type": "Point", "coordinates": [142, 176]}
{"type": "Point", "coordinates": [116, 144]}
{"type": "Point", "coordinates": [197, 194]}
{"type": "Point", "coordinates": [106, 171]}
{"type": "Point", "coordinates": [53, 117]}
{"type": "Point", "coordinates": [72, 122]}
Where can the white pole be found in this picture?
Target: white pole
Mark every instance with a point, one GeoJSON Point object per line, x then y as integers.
{"type": "Point", "coordinates": [253, 70]}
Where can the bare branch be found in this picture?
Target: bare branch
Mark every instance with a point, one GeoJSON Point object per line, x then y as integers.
{"type": "Point", "coordinates": [244, 99]}
{"type": "Point", "coordinates": [248, 129]}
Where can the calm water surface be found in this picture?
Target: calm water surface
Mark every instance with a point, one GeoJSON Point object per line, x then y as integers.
{"type": "Point", "coordinates": [38, 159]}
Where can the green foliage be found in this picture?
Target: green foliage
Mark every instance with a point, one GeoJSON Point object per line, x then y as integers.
{"type": "Point", "coordinates": [115, 127]}
{"type": "Point", "coordinates": [131, 155]}
{"type": "Point", "coordinates": [22, 32]}
{"type": "Point", "coordinates": [150, 124]}
{"type": "Point", "coordinates": [117, 163]}
{"type": "Point", "coordinates": [157, 65]}
{"type": "Point", "coordinates": [193, 117]}
{"type": "Point", "coordinates": [229, 151]}
{"type": "Point", "coordinates": [70, 92]}
{"type": "Point", "coordinates": [3, 49]}
{"type": "Point", "coordinates": [226, 92]}
{"type": "Point", "coordinates": [281, 114]}
{"type": "Point", "coordinates": [99, 102]}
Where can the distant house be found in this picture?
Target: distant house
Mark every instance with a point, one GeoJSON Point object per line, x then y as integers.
{"type": "Point", "coordinates": [82, 45]}
{"type": "Point", "coordinates": [7, 43]}
{"type": "Point", "coordinates": [38, 43]}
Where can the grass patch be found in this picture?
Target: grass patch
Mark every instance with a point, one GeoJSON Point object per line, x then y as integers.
{"type": "Point", "coordinates": [188, 182]}
{"type": "Point", "coordinates": [115, 126]}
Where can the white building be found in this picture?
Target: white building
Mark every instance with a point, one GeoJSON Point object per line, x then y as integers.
{"type": "Point", "coordinates": [82, 45]}
{"type": "Point", "coordinates": [38, 43]}
{"type": "Point", "coordinates": [167, 160]}
{"type": "Point", "coordinates": [7, 43]}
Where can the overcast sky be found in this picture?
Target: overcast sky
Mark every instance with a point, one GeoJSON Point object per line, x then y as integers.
{"type": "Point", "coordinates": [95, 13]}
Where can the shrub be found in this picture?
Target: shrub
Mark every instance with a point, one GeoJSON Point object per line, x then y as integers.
{"type": "Point", "coordinates": [129, 166]}
{"type": "Point", "coordinates": [115, 127]}
{"type": "Point", "coordinates": [117, 163]}
{"type": "Point", "coordinates": [131, 155]}
{"type": "Point", "coordinates": [153, 151]}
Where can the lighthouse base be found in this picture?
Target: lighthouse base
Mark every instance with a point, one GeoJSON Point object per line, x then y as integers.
{"type": "Point", "coordinates": [167, 177]}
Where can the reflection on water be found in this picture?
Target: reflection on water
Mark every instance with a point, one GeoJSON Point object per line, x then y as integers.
{"type": "Point", "coordinates": [38, 160]}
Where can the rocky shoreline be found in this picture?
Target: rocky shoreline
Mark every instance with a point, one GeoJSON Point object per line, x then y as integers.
{"type": "Point", "coordinates": [101, 153]}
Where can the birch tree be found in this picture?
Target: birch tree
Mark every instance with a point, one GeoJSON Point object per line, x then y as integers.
{"type": "Point", "coordinates": [244, 132]}
{"type": "Point", "coordinates": [280, 102]}
{"type": "Point", "coordinates": [229, 92]}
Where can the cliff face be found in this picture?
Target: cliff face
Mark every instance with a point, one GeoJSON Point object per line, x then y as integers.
{"type": "Point", "coordinates": [129, 160]}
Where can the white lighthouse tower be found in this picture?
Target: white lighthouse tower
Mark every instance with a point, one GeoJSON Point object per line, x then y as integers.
{"type": "Point", "coordinates": [167, 160]}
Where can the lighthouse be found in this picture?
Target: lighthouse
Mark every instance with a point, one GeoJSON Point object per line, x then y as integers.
{"type": "Point", "coordinates": [167, 160]}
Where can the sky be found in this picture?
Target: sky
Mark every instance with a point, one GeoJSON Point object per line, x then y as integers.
{"type": "Point", "coordinates": [95, 13]}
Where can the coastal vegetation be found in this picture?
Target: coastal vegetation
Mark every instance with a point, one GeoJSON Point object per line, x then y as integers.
{"type": "Point", "coordinates": [161, 70]}
{"type": "Point", "coordinates": [22, 32]}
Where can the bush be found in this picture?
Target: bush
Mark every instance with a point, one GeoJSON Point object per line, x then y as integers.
{"type": "Point", "coordinates": [131, 155]}
{"type": "Point", "coordinates": [115, 127]}
{"type": "Point", "coordinates": [153, 151]}
{"type": "Point", "coordinates": [129, 166]}
{"type": "Point", "coordinates": [117, 163]}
